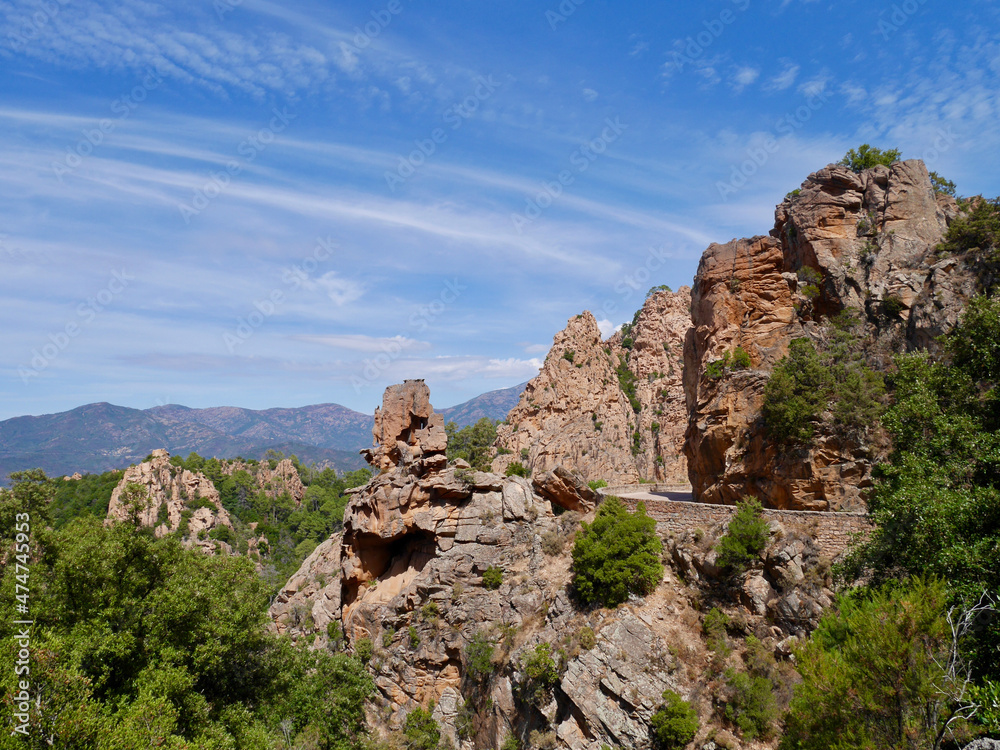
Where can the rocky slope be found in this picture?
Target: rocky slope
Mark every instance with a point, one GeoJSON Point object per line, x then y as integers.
{"type": "Point", "coordinates": [167, 498]}
{"type": "Point", "coordinates": [282, 479]}
{"type": "Point", "coordinates": [408, 585]}
{"type": "Point", "coordinates": [845, 241]}
{"type": "Point", "coordinates": [611, 410]}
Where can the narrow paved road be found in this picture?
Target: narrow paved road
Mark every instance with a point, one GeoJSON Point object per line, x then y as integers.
{"type": "Point", "coordinates": [680, 497]}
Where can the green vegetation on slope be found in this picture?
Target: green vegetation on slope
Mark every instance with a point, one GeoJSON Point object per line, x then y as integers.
{"type": "Point", "coordinates": [140, 642]}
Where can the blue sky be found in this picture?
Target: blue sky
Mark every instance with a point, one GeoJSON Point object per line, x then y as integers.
{"type": "Point", "coordinates": [256, 204]}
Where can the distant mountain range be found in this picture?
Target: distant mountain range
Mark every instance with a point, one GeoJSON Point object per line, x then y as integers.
{"type": "Point", "coordinates": [98, 437]}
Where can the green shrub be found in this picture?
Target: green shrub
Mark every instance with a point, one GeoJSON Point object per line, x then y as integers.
{"type": "Point", "coordinates": [714, 627]}
{"type": "Point", "coordinates": [587, 638]}
{"type": "Point", "coordinates": [616, 556]}
{"type": "Point", "coordinates": [745, 537]}
{"type": "Point", "coordinates": [596, 484]}
{"type": "Point", "coordinates": [421, 730]}
{"type": "Point", "coordinates": [553, 542]}
{"type": "Point", "coordinates": [364, 650]}
{"type": "Point", "coordinates": [796, 393]}
{"type": "Point", "coordinates": [626, 379]}
{"type": "Point", "coordinates": [517, 469]}
{"type": "Point", "coordinates": [675, 723]}
{"type": "Point", "coordinates": [335, 634]}
{"type": "Point", "coordinates": [867, 156]}
{"type": "Point", "coordinates": [479, 657]}
{"type": "Point", "coordinates": [793, 194]}
{"type": "Point", "coordinates": [414, 637]}
{"type": "Point", "coordinates": [568, 355]}
{"type": "Point", "coordinates": [741, 360]}
{"type": "Point", "coordinates": [941, 185]}
{"type": "Point", "coordinates": [492, 578]}
{"type": "Point", "coordinates": [473, 443]}
{"type": "Point", "coordinates": [810, 275]}
{"type": "Point", "coordinates": [540, 667]}
{"type": "Point", "coordinates": [511, 743]}
{"type": "Point", "coordinates": [660, 288]}
{"type": "Point", "coordinates": [891, 306]}
{"type": "Point", "coordinates": [751, 704]}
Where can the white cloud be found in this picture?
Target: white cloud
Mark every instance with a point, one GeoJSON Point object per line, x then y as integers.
{"type": "Point", "coordinates": [606, 327]}
{"type": "Point", "coordinates": [356, 342]}
{"type": "Point", "coordinates": [536, 349]}
{"type": "Point", "coordinates": [784, 79]}
{"type": "Point", "coordinates": [341, 291]}
{"type": "Point", "coordinates": [743, 77]}
{"type": "Point", "coordinates": [589, 95]}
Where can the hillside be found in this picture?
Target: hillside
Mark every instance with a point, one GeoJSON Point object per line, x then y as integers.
{"type": "Point", "coordinates": [100, 437]}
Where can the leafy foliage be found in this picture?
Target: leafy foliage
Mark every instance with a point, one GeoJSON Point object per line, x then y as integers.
{"type": "Point", "coordinates": [807, 383]}
{"type": "Point", "coordinates": [873, 673]}
{"type": "Point", "coordinates": [140, 642]}
{"type": "Point", "coordinates": [473, 443]}
{"type": "Point", "coordinates": [941, 185]}
{"type": "Point", "coordinates": [617, 555]}
{"type": "Point", "coordinates": [517, 469]}
{"type": "Point", "coordinates": [627, 380]}
{"type": "Point", "coordinates": [675, 723]}
{"type": "Point", "coordinates": [976, 230]}
{"type": "Point", "coordinates": [745, 537]}
{"type": "Point", "coordinates": [492, 578]}
{"type": "Point", "coordinates": [89, 495]}
{"type": "Point", "coordinates": [867, 156]}
{"type": "Point", "coordinates": [421, 730]}
{"type": "Point", "coordinates": [479, 657]}
{"type": "Point", "coordinates": [714, 627]}
{"type": "Point", "coordinates": [751, 704]}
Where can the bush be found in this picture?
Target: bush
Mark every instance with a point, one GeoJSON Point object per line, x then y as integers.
{"type": "Point", "coordinates": [751, 704]}
{"type": "Point", "coordinates": [796, 393]}
{"type": "Point", "coordinates": [741, 360]}
{"type": "Point", "coordinates": [745, 537]}
{"type": "Point", "coordinates": [473, 443]}
{"type": "Point", "coordinates": [364, 650]}
{"type": "Point", "coordinates": [616, 556]}
{"type": "Point", "coordinates": [675, 723]}
{"type": "Point", "coordinates": [941, 185]}
{"type": "Point", "coordinates": [866, 157]}
{"type": "Point", "coordinates": [540, 667]}
{"type": "Point", "coordinates": [414, 637]}
{"type": "Point", "coordinates": [714, 627]}
{"type": "Point", "coordinates": [492, 578]}
{"type": "Point", "coordinates": [626, 379]}
{"type": "Point", "coordinates": [479, 657]}
{"type": "Point", "coordinates": [891, 306]}
{"type": "Point", "coordinates": [596, 484]}
{"type": "Point", "coordinates": [517, 469]}
{"type": "Point", "coordinates": [553, 543]}
{"type": "Point", "coordinates": [421, 730]}
{"type": "Point", "coordinates": [568, 355]}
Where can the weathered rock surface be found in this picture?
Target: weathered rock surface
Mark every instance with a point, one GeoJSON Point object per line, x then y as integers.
{"type": "Point", "coordinates": [864, 239]}
{"type": "Point", "coordinates": [407, 574]}
{"type": "Point", "coordinates": [282, 479]}
{"type": "Point", "coordinates": [576, 413]}
{"type": "Point", "coordinates": [167, 492]}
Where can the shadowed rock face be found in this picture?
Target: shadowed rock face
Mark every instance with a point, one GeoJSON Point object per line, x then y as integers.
{"type": "Point", "coordinates": [867, 238]}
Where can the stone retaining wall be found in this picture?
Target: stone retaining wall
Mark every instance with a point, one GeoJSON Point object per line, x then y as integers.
{"type": "Point", "coordinates": [833, 532]}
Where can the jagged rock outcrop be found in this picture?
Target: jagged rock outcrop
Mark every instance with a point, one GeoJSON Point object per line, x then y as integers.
{"type": "Point", "coordinates": [845, 241]}
{"type": "Point", "coordinates": [611, 410]}
{"type": "Point", "coordinates": [171, 497]}
{"type": "Point", "coordinates": [282, 479]}
{"type": "Point", "coordinates": [408, 576]}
